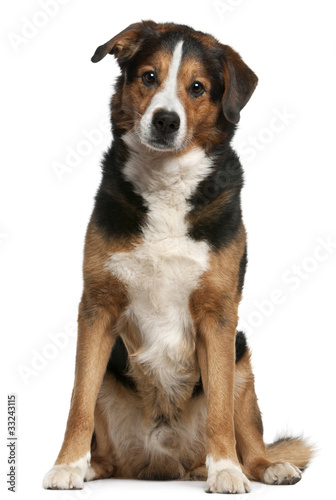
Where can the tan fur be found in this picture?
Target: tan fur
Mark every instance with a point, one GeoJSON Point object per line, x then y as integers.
{"type": "Point", "coordinates": [248, 424]}
{"type": "Point", "coordinates": [202, 114]}
{"type": "Point", "coordinates": [95, 341]}
{"type": "Point", "coordinates": [102, 456]}
{"type": "Point", "coordinates": [130, 104]}
{"type": "Point", "coordinates": [211, 212]}
{"type": "Point", "coordinates": [294, 450]}
{"type": "Point", "coordinates": [144, 447]}
{"type": "Point", "coordinates": [253, 454]}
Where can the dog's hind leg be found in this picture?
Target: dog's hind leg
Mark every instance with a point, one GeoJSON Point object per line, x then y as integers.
{"type": "Point", "coordinates": [102, 456]}
{"type": "Point", "coordinates": [199, 473]}
{"type": "Point", "coordinates": [251, 448]}
{"type": "Point", "coordinates": [258, 464]}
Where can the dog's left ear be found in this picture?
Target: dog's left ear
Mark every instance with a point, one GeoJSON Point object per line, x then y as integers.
{"type": "Point", "coordinates": [124, 45]}
{"type": "Point", "coordinates": [240, 82]}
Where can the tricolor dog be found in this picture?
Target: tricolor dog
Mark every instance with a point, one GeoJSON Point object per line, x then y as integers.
{"type": "Point", "coordinates": [163, 381]}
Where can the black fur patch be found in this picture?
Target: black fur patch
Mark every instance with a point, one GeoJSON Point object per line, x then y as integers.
{"type": "Point", "coordinates": [226, 179]}
{"type": "Point", "coordinates": [118, 365]}
{"type": "Point", "coordinates": [118, 210]}
{"type": "Point", "coordinates": [242, 270]}
{"type": "Point", "coordinates": [198, 389]}
{"type": "Point", "coordinates": [241, 345]}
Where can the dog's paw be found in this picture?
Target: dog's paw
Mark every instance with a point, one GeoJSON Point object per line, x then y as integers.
{"type": "Point", "coordinates": [64, 477]}
{"type": "Point", "coordinates": [67, 476]}
{"type": "Point", "coordinates": [225, 476]}
{"type": "Point", "coordinates": [284, 473]}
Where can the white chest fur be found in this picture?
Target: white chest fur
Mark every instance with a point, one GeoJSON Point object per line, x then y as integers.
{"type": "Point", "coordinates": [162, 271]}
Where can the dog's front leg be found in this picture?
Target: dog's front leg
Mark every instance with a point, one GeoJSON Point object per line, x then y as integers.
{"type": "Point", "coordinates": [216, 354]}
{"type": "Point", "coordinates": [94, 344]}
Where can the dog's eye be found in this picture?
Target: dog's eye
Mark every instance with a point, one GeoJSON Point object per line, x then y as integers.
{"type": "Point", "coordinates": [149, 78]}
{"type": "Point", "coordinates": [197, 89]}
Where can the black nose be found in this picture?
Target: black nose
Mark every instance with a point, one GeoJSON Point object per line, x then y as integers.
{"type": "Point", "coordinates": [166, 122]}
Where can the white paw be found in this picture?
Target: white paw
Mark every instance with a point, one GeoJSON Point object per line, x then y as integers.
{"type": "Point", "coordinates": [282, 474]}
{"type": "Point", "coordinates": [224, 476]}
{"type": "Point", "coordinates": [67, 476]}
{"type": "Point", "coordinates": [63, 477]}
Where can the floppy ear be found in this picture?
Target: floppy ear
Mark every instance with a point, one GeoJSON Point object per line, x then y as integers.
{"type": "Point", "coordinates": [240, 82]}
{"type": "Point", "coordinates": [126, 43]}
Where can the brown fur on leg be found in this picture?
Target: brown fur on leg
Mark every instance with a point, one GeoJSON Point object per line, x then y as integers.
{"type": "Point", "coordinates": [248, 424]}
{"type": "Point", "coordinates": [199, 473]}
{"type": "Point", "coordinates": [274, 464]}
{"type": "Point", "coordinates": [103, 300]}
{"type": "Point", "coordinates": [214, 309]}
{"type": "Point", "coordinates": [219, 347]}
{"type": "Point", "coordinates": [103, 459]}
{"type": "Point", "coordinates": [94, 345]}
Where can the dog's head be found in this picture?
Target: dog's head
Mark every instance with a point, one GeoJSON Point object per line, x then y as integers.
{"type": "Point", "coordinates": [178, 86]}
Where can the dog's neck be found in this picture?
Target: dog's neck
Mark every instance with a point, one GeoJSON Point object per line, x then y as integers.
{"type": "Point", "coordinates": [152, 172]}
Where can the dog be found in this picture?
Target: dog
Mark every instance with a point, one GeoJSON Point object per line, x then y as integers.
{"type": "Point", "coordinates": [163, 382]}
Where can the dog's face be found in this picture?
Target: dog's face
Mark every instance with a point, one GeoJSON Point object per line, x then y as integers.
{"type": "Point", "coordinates": [178, 86]}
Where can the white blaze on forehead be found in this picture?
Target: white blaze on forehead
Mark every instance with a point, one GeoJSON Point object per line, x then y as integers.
{"type": "Point", "coordinates": [168, 100]}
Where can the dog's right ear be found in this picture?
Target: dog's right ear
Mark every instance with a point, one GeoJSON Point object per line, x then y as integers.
{"type": "Point", "coordinates": [124, 45]}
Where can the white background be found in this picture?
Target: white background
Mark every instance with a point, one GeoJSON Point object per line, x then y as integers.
{"type": "Point", "coordinates": [52, 97]}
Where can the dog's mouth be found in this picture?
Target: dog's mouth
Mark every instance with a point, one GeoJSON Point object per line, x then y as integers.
{"type": "Point", "coordinates": [160, 144]}
{"type": "Point", "coordinates": [135, 138]}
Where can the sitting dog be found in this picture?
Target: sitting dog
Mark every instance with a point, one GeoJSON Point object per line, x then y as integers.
{"type": "Point", "coordinates": [163, 381]}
